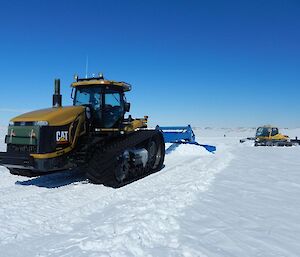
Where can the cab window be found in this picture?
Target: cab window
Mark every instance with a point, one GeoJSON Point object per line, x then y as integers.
{"type": "Point", "coordinates": [112, 100]}
{"type": "Point", "coordinates": [274, 131]}
{"type": "Point", "coordinates": [113, 109]}
{"type": "Point", "coordinates": [88, 95]}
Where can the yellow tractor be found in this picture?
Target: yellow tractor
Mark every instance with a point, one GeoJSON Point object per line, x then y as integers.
{"type": "Point", "coordinates": [269, 136]}
{"type": "Point", "coordinates": [93, 134]}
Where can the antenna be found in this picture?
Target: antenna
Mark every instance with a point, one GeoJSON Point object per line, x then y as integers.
{"type": "Point", "coordinates": [86, 66]}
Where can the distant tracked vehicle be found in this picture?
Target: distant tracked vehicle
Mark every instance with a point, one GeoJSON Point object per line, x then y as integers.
{"type": "Point", "coordinates": [268, 135]}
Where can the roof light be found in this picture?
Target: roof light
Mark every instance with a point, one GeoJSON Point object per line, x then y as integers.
{"type": "Point", "coordinates": [76, 77]}
{"type": "Point", "coordinates": [101, 75]}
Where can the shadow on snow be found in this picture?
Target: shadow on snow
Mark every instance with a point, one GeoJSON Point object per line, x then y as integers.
{"type": "Point", "coordinates": [65, 178]}
{"type": "Point", "coordinates": [54, 180]}
{"type": "Point", "coordinates": [171, 148]}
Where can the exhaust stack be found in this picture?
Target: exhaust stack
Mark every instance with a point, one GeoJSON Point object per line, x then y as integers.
{"type": "Point", "coordinates": [56, 100]}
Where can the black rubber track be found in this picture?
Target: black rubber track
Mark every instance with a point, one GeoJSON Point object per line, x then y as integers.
{"type": "Point", "coordinates": [101, 167]}
{"type": "Point", "coordinates": [274, 143]}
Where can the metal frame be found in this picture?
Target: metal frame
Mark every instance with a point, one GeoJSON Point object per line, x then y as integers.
{"type": "Point", "coordinates": [182, 135]}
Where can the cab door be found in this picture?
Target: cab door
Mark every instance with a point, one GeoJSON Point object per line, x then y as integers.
{"type": "Point", "coordinates": [113, 109]}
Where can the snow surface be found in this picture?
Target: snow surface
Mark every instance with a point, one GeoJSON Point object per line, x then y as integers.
{"type": "Point", "coordinates": [241, 201]}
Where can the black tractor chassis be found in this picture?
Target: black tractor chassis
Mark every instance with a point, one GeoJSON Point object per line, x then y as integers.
{"type": "Point", "coordinates": [25, 161]}
{"type": "Point", "coordinates": [97, 156]}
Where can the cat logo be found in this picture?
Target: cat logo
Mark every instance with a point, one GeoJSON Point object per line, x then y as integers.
{"type": "Point", "coordinates": [62, 137]}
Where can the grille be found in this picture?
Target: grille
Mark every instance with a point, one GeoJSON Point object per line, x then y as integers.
{"type": "Point", "coordinates": [21, 148]}
{"type": "Point", "coordinates": [23, 123]}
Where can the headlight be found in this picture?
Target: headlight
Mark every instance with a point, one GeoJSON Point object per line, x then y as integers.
{"type": "Point", "coordinates": [41, 123]}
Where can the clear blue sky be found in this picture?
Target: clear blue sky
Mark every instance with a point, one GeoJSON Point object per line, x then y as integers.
{"type": "Point", "coordinates": [208, 63]}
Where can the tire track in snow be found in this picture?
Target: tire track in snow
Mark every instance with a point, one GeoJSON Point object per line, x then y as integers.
{"type": "Point", "coordinates": [13, 200]}
{"type": "Point", "coordinates": [29, 187]}
{"type": "Point", "coordinates": [19, 206]}
{"type": "Point", "coordinates": [144, 213]}
{"type": "Point", "coordinates": [154, 219]}
{"type": "Point", "coordinates": [9, 193]}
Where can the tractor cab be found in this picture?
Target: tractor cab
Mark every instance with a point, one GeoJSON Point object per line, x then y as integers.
{"type": "Point", "coordinates": [267, 131]}
{"type": "Point", "coordinates": [105, 100]}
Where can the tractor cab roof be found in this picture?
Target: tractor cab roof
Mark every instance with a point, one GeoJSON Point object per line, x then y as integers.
{"type": "Point", "coordinates": [100, 81]}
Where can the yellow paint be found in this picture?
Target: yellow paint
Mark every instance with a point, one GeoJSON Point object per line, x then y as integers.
{"type": "Point", "coordinates": [73, 141]}
{"type": "Point", "coordinates": [55, 116]}
{"type": "Point", "coordinates": [277, 137]}
{"type": "Point", "coordinates": [52, 155]}
{"type": "Point", "coordinates": [137, 123]}
{"type": "Point", "coordinates": [96, 82]}
{"type": "Point", "coordinates": [134, 125]}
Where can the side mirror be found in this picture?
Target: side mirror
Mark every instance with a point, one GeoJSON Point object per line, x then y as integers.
{"type": "Point", "coordinates": [127, 107]}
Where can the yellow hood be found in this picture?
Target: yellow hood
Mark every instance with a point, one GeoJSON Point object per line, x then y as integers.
{"type": "Point", "coordinates": [55, 116]}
